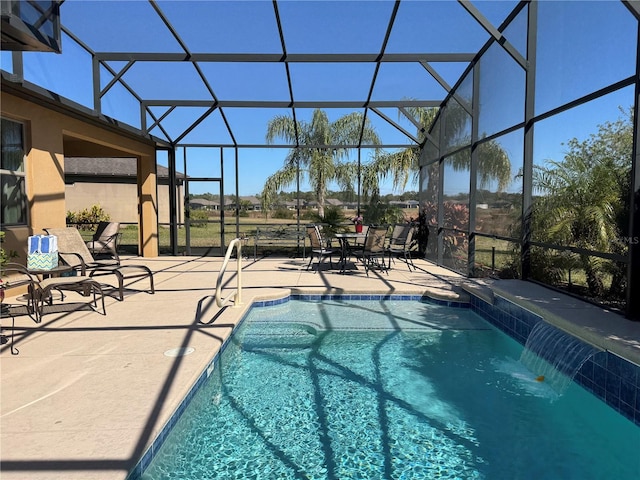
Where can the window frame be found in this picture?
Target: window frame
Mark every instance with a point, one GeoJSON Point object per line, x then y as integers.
{"type": "Point", "coordinates": [19, 175]}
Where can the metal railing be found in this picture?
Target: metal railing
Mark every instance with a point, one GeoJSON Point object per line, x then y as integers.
{"type": "Point", "coordinates": [236, 295]}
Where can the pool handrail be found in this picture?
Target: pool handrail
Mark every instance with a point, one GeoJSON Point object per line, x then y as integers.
{"type": "Point", "coordinates": [236, 295]}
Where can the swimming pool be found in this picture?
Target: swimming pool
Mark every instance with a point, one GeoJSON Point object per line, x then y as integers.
{"type": "Point", "coordinates": [387, 389]}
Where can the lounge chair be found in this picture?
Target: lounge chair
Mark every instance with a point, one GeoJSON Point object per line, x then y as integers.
{"type": "Point", "coordinates": [105, 241]}
{"type": "Point", "coordinates": [40, 291]}
{"type": "Point", "coordinates": [74, 252]}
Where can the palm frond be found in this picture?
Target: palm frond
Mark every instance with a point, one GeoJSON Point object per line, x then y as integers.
{"type": "Point", "coordinates": [282, 126]}
{"type": "Point", "coordinates": [276, 182]}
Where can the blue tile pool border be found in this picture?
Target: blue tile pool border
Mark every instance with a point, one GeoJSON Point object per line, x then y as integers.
{"type": "Point", "coordinates": [367, 296]}
{"type": "Point", "coordinates": [613, 379]}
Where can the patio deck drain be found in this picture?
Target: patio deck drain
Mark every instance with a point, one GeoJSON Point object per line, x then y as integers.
{"type": "Point", "coordinates": [179, 352]}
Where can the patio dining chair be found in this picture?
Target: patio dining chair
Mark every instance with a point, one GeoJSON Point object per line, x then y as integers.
{"type": "Point", "coordinates": [319, 247]}
{"type": "Point", "coordinates": [105, 241]}
{"type": "Point", "coordinates": [374, 250]}
{"type": "Point", "coordinates": [74, 252]}
{"type": "Point", "coordinates": [358, 243]}
{"type": "Point", "coordinates": [401, 242]}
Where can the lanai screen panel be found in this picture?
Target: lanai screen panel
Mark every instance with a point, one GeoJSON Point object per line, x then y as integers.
{"type": "Point", "coordinates": [272, 55]}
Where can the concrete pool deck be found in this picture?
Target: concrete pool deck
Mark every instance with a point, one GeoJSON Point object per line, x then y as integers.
{"type": "Point", "coordinates": [87, 393]}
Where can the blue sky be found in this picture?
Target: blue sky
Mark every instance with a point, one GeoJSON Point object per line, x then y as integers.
{"type": "Point", "coordinates": [582, 46]}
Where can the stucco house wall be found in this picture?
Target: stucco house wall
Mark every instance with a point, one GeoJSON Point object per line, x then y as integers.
{"type": "Point", "coordinates": [111, 184]}
{"type": "Point", "coordinates": [50, 133]}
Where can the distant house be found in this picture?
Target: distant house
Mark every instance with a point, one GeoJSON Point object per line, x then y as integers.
{"type": "Point", "coordinates": [502, 204]}
{"type": "Point", "coordinates": [112, 184]}
{"type": "Point", "coordinates": [329, 202]}
{"type": "Point", "coordinates": [253, 202]}
{"type": "Point", "coordinates": [405, 203]}
{"type": "Point", "coordinates": [204, 204]}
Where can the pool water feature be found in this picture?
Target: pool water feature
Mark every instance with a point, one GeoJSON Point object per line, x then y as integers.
{"type": "Point", "coordinates": [554, 356]}
{"type": "Point", "coordinates": [387, 389]}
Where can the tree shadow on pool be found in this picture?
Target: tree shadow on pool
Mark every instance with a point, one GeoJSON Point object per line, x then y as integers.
{"type": "Point", "coordinates": [325, 373]}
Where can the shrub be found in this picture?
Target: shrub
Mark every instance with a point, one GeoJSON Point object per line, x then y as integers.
{"type": "Point", "coordinates": [5, 256]}
{"type": "Point", "coordinates": [456, 215]}
{"type": "Point", "coordinates": [378, 213]}
{"type": "Point", "coordinates": [88, 218]}
{"type": "Point", "coordinates": [331, 222]}
{"type": "Point", "coordinates": [198, 218]}
{"type": "Point", "coordinates": [309, 215]}
{"type": "Point", "coordinates": [283, 214]}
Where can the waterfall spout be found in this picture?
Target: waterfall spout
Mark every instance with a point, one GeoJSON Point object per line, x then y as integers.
{"type": "Point", "coordinates": [554, 356]}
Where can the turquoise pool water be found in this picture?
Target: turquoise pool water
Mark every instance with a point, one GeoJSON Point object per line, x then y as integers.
{"type": "Point", "coordinates": [387, 389]}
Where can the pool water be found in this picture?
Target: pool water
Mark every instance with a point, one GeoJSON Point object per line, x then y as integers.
{"type": "Point", "coordinates": [387, 389]}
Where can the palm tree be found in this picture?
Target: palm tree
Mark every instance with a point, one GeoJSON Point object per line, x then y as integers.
{"type": "Point", "coordinates": [584, 201]}
{"type": "Point", "coordinates": [320, 164]}
{"type": "Point", "coordinates": [404, 166]}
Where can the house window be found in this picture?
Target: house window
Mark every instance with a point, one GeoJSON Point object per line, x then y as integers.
{"type": "Point", "coordinates": [12, 175]}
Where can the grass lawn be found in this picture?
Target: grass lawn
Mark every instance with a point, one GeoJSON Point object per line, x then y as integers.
{"type": "Point", "coordinates": [208, 234]}
{"type": "Point", "coordinates": [203, 235]}
{"type": "Point", "coordinates": [486, 258]}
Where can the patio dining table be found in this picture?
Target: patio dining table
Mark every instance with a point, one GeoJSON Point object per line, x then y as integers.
{"type": "Point", "coordinates": [344, 239]}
